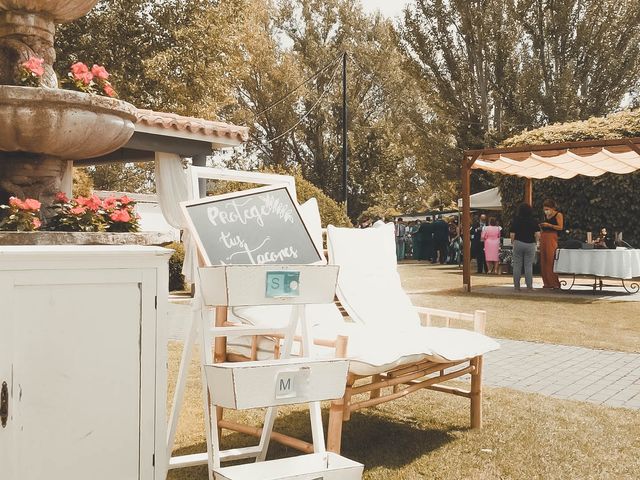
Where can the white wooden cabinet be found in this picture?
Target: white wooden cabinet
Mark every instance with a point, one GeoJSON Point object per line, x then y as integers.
{"type": "Point", "coordinates": [83, 355]}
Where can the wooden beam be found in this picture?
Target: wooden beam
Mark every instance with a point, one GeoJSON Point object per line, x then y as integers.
{"type": "Point", "coordinates": [528, 191]}
{"type": "Point", "coordinates": [122, 155]}
{"type": "Point", "coordinates": [633, 146]}
{"type": "Point", "coordinates": [159, 143]}
{"type": "Point", "coordinates": [467, 163]}
{"type": "Point", "coordinates": [631, 142]}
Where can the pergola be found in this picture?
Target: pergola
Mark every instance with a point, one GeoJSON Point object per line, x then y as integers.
{"type": "Point", "coordinates": [561, 160]}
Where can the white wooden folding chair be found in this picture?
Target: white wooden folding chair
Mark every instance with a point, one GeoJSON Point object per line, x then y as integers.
{"type": "Point", "coordinates": [270, 383]}
{"type": "Point", "coordinates": [218, 316]}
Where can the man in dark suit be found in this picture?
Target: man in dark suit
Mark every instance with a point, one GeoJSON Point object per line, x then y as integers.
{"type": "Point", "coordinates": [477, 245]}
{"type": "Point", "coordinates": [440, 240]}
{"type": "Point", "coordinates": [425, 237]}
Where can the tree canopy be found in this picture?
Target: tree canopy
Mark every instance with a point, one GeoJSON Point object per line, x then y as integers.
{"type": "Point", "coordinates": [446, 76]}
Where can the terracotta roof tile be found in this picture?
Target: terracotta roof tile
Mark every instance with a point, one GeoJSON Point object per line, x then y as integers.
{"type": "Point", "coordinates": [192, 125]}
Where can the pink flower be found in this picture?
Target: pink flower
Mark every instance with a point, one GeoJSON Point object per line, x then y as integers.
{"type": "Point", "coordinates": [120, 216]}
{"type": "Point", "coordinates": [100, 72]}
{"type": "Point", "coordinates": [35, 66]}
{"type": "Point", "coordinates": [37, 223]}
{"type": "Point", "coordinates": [109, 91]}
{"type": "Point", "coordinates": [93, 203]}
{"type": "Point", "coordinates": [109, 203]}
{"type": "Point", "coordinates": [16, 202]}
{"type": "Point", "coordinates": [125, 200]}
{"type": "Point", "coordinates": [79, 68]}
{"type": "Point", "coordinates": [78, 210]}
{"type": "Point", "coordinates": [81, 72]}
{"type": "Point", "coordinates": [32, 204]}
{"type": "Point", "coordinates": [62, 197]}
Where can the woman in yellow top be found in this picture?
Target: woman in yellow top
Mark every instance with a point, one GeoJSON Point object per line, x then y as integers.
{"type": "Point", "coordinates": [554, 223]}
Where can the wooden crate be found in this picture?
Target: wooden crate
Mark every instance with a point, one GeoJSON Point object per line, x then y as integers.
{"type": "Point", "coordinates": [316, 466]}
{"type": "Point", "coordinates": [267, 383]}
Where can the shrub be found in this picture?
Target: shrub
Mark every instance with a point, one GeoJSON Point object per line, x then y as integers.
{"type": "Point", "coordinates": [176, 279]}
{"type": "Point", "coordinates": [588, 202]}
{"type": "Point", "coordinates": [331, 212]}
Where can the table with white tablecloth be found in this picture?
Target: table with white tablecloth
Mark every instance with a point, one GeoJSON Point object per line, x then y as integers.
{"type": "Point", "coordinates": [621, 263]}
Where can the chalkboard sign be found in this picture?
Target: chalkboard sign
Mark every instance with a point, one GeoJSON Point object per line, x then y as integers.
{"type": "Point", "coordinates": [252, 227]}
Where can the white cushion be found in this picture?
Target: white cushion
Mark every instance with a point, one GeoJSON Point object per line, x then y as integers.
{"type": "Point", "coordinates": [369, 286]}
{"type": "Point", "coordinates": [370, 350]}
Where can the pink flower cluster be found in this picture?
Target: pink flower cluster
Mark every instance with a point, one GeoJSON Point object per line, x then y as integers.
{"type": "Point", "coordinates": [85, 80]}
{"type": "Point", "coordinates": [28, 204]}
{"type": "Point", "coordinates": [35, 66]}
{"type": "Point", "coordinates": [21, 215]}
{"type": "Point", "coordinates": [90, 214]}
{"type": "Point", "coordinates": [31, 72]}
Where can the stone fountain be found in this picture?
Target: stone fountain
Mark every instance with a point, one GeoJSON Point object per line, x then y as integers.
{"type": "Point", "coordinates": [43, 129]}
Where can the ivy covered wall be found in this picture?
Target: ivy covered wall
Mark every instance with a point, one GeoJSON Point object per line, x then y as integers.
{"type": "Point", "coordinates": [588, 203]}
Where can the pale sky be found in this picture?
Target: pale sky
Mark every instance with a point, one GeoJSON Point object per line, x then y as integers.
{"type": "Point", "coordinates": [390, 8]}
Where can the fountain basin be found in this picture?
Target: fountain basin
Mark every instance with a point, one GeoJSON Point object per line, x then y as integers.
{"type": "Point", "coordinates": [62, 123]}
{"type": "Point", "coordinates": [61, 11]}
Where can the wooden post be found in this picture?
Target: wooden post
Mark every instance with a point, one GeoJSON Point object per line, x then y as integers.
{"type": "Point", "coordinates": [476, 392]}
{"type": "Point", "coordinates": [528, 191]}
{"type": "Point", "coordinates": [336, 411]}
{"type": "Point", "coordinates": [466, 221]}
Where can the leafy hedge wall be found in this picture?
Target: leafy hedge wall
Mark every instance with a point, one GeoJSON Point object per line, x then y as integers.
{"type": "Point", "coordinates": [588, 202]}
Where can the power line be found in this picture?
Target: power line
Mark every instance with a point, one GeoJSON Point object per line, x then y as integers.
{"type": "Point", "coordinates": [297, 87]}
{"type": "Point", "coordinates": [308, 112]}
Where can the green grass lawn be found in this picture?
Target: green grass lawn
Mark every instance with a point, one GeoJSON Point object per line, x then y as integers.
{"type": "Point", "coordinates": [426, 435]}
{"type": "Point", "coordinates": [562, 319]}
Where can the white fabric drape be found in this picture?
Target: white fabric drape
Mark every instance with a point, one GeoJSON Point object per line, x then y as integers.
{"type": "Point", "coordinates": [173, 186]}
{"type": "Point", "coordinates": [563, 165]}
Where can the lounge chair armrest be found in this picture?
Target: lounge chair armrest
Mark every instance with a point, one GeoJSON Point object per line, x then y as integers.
{"type": "Point", "coordinates": [478, 318]}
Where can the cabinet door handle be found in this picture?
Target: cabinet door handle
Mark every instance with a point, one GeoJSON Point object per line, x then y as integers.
{"type": "Point", "coordinates": [4, 404]}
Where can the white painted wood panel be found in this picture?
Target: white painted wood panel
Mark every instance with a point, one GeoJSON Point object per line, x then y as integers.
{"type": "Point", "coordinates": [77, 395]}
{"type": "Point", "coordinates": [239, 285]}
{"type": "Point", "coordinates": [83, 345]}
{"type": "Point", "coordinates": [276, 382]}
{"type": "Point", "coordinates": [316, 466]}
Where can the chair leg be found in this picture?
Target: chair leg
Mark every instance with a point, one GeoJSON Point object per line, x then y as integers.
{"type": "Point", "coordinates": [375, 393]}
{"type": "Point", "coordinates": [476, 393]}
{"type": "Point", "coordinates": [334, 431]}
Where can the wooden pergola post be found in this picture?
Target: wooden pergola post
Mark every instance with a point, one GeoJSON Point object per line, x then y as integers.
{"type": "Point", "coordinates": [467, 163]}
{"type": "Point", "coordinates": [528, 191]}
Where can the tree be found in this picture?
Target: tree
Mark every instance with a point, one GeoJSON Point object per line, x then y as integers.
{"type": "Point", "coordinates": [388, 161]}
{"type": "Point", "coordinates": [173, 55]}
{"type": "Point", "coordinates": [500, 66]}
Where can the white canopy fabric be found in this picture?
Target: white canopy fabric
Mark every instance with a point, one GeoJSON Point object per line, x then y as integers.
{"type": "Point", "coordinates": [561, 164]}
{"type": "Point", "coordinates": [487, 200]}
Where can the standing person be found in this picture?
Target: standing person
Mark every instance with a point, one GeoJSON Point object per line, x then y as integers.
{"type": "Point", "coordinates": [554, 223]}
{"type": "Point", "coordinates": [440, 240]}
{"type": "Point", "coordinates": [525, 232]}
{"type": "Point", "coordinates": [426, 239]}
{"type": "Point", "coordinates": [454, 238]}
{"type": "Point", "coordinates": [491, 239]}
{"type": "Point", "coordinates": [477, 243]}
{"type": "Point", "coordinates": [401, 231]}
{"type": "Point", "coordinates": [416, 246]}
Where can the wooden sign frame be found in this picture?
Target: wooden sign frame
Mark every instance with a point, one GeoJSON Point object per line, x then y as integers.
{"type": "Point", "coordinates": [245, 193]}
